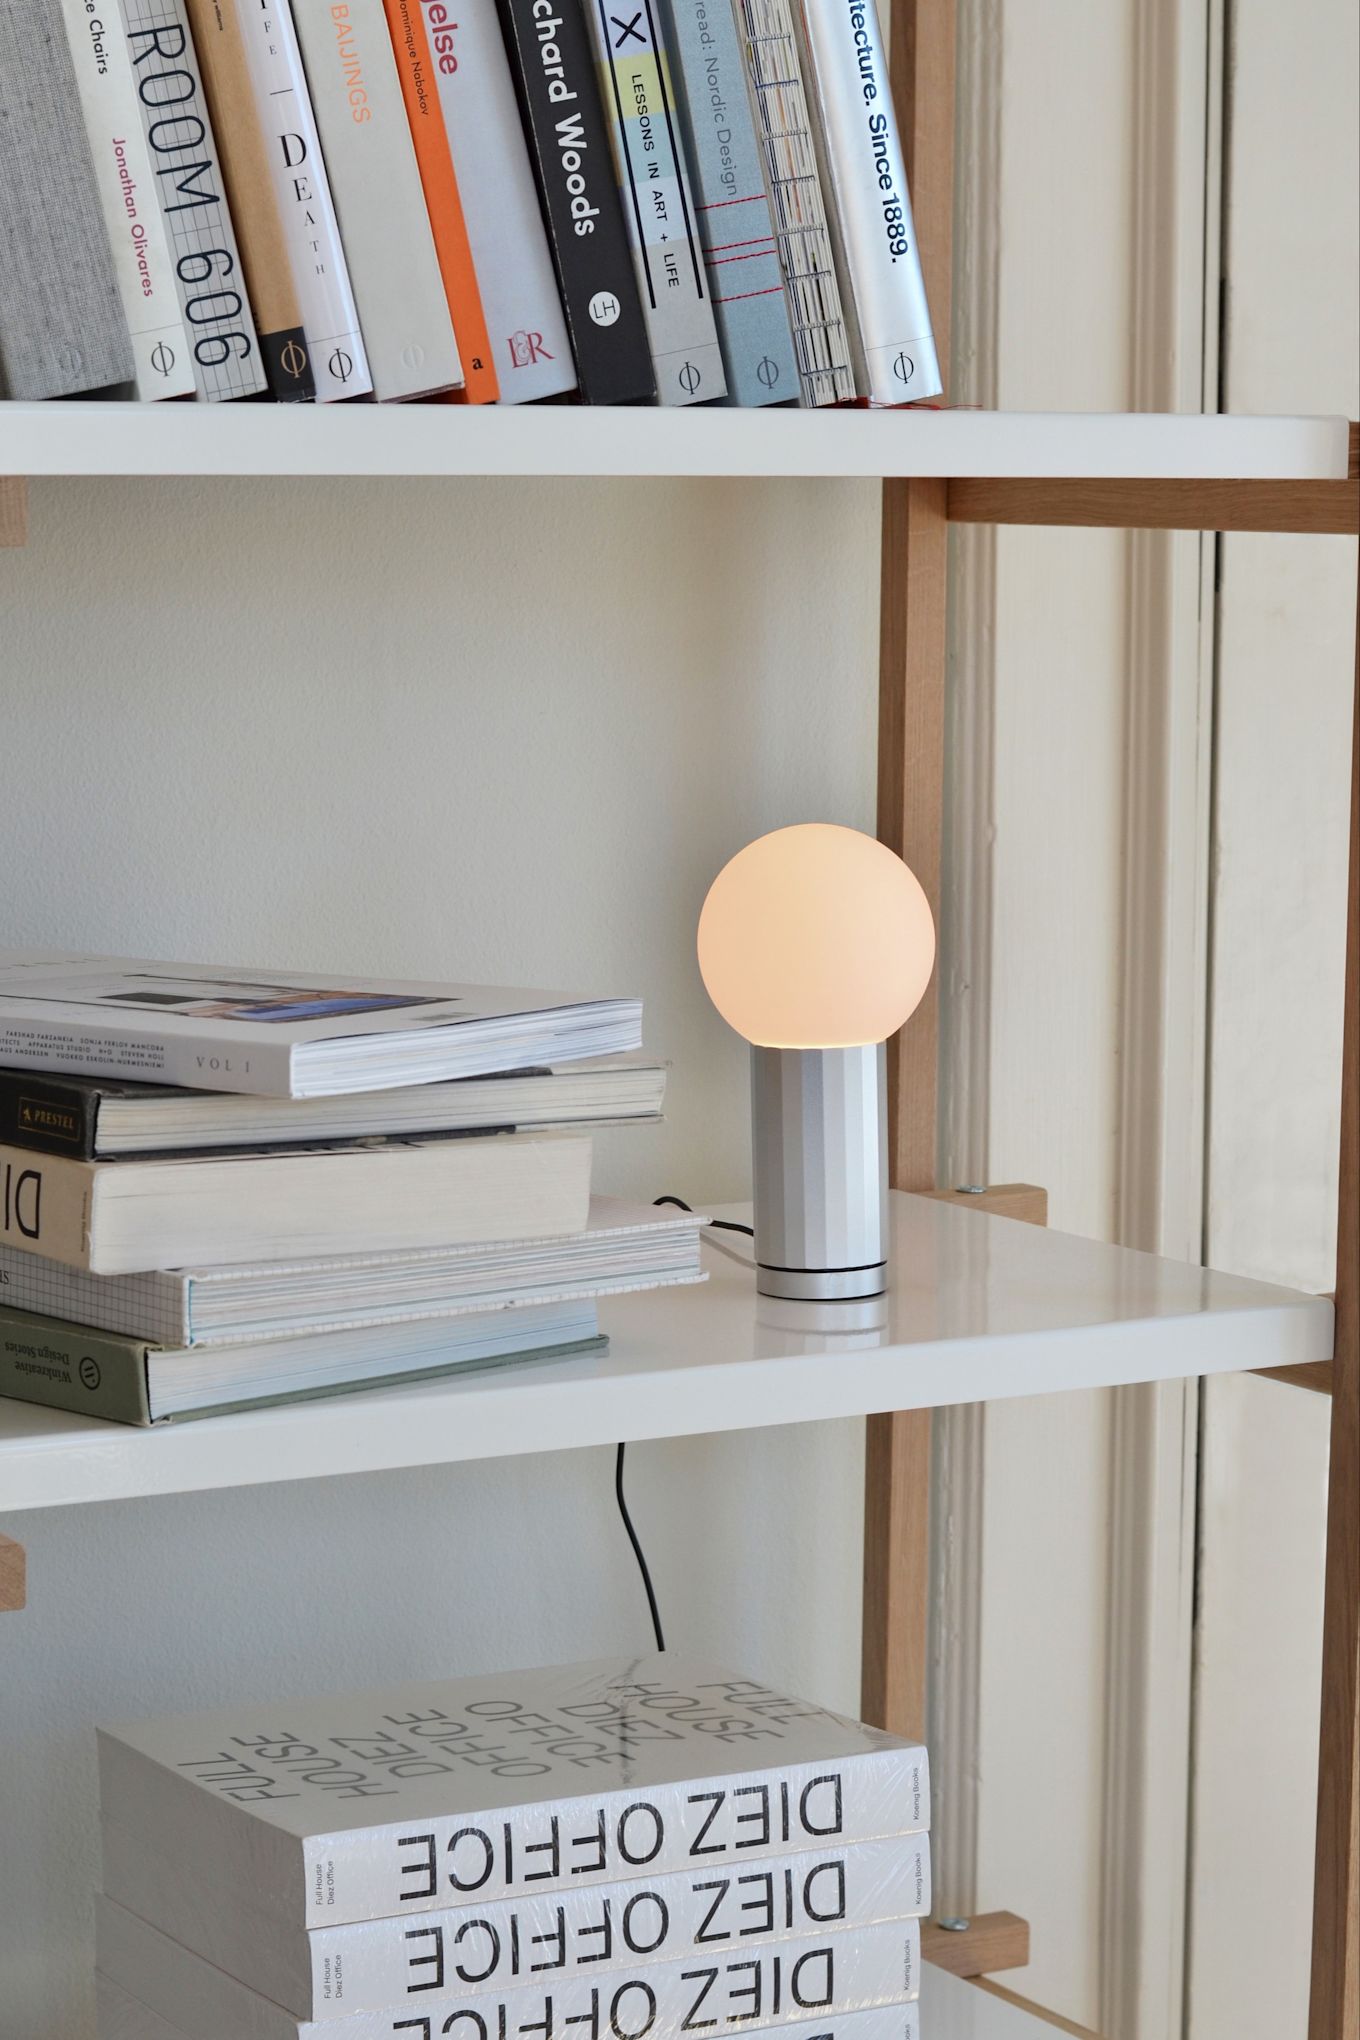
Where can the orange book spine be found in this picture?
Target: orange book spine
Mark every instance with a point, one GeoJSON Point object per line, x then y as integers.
{"type": "Point", "coordinates": [406, 26]}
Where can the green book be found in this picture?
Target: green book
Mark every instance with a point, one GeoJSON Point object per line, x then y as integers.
{"type": "Point", "coordinates": [130, 1381]}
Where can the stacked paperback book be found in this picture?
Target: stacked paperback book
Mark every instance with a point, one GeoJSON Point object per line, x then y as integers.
{"type": "Point", "coordinates": [220, 1189]}
{"type": "Point", "coordinates": [629, 1850]}
{"type": "Point", "coordinates": [696, 201]}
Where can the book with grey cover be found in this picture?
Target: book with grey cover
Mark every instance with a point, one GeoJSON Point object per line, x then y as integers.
{"type": "Point", "coordinates": [441, 1792]}
{"type": "Point", "coordinates": [810, 1988]}
{"type": "Point", "coordinates": [209, 276]}
{"type": "Point", "coordinates": [127, 193]}
{"type": "Point", "coordinates": [623, 1247]}
{"type": "Point", "coordinates": [658, 204]}
{"type": "Point", "coordinates": [126, 1381]}
{"type": "Point", "coordinates": [219, 1028]}
{"type": "Point", "coordinates": [732, 204]}
{"type": "Point", "coordinates": [488, 1948]}
{"type": "Point", "coordinates": [159, 1968]}
{"type": "Point", "coordinates": [375, 183]}
{"type": "Point", "coordinates": [864, 179]}
{"type": "Point", "coordinates": [62, 328]}
{"type": "Point", "coordinates": [788, 152]}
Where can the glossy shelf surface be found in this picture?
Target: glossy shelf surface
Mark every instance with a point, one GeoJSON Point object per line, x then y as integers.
{"type": "Point", "coordinates": [978, 1308]}
{"type": "Point", "coordinates": [451, 439]}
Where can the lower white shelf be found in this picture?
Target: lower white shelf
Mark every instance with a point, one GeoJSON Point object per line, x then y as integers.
{"type": "Point", "coordinates": [954, 2010]}
{"type": "Point", "coordinates": [978, 1308]}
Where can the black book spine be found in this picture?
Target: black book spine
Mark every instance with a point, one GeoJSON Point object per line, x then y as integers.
{"type": "Point", "coordinates": [554, 65]}
{"type": "Point", "coordinates": [52, 1117]}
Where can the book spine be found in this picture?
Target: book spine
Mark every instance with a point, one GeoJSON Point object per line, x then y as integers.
{"type": "Point", "coordinates": [375, 181]}
{"type": "Point", "coordinates": [443, 201]}
{"type": "Point", "coordinates": [152, 1309]}
{"type": "Point", "coordinates": [865, 180]}
{"type": "Point", "coordinates": [218, 39]}
{"type": "Point", "coordinates": [62, 328]}
{"type": "Point", "coordinates": [208, 271]}
{"type": "Point", "coordinates": [485, 1948]}
{"type": "Point", "coordinates": [377, 1872]}
{"type": "Point", "coordinates": [48, 1116]}
{"type": "Point", "coordinates": [554, 66]}
{"type": "Point", "coordinates": [658, 203]}
{"type": "Point", "coordinates": [733, 207]}
{"type": "Point", "coordinates": [330, 320]}
{"type": "Point", "coordinates": [204, 1064]}
{"type": "Point", "coordinates": [789, 159]}
{"type": "Point", "coordinates": [46, 1205]}
{"type": "Point", "coordinates": [525, 325]}
{"type": "Point", "coordinates": [127, 193]}
{"type": "Point", "coordinates": [67, 1367]}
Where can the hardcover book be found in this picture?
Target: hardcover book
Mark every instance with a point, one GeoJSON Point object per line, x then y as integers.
{"type": "Point", "coordinates": [214, 1029]}
{"type": "Point", "coordinates": [219, 39]}
{"type": "Point", "coordinates": [330, 318]}
{"type": "Point", "coordinates": [121, 2016]}
{"type": "Point", "coordinates": [624, 1247]}
{"type": "Point", "coordinates": [127, 193]}
{"type": "Point", "coordinates": [419, 1797]}
{"type": "Point", "coordinates": [525, 324]}
{"type": "Point", "coordinates": [443, 200]}
{"type": "Point", "coordinates": [807, 1987]}
{"type": "Point", "coordinates": [658, 204]}
{"type": "Point", "coordinates": [865, 182]}
{"type": "Point", "coordinates": [375, 182]}
{"type": "Point", "coordinates": [789, 157]}
{"type": "Point", "coordinates": [732, 205]}
{"type": "Point", "coordinates": [120, 1217]}
{"type": "Point", "coordinates": [209, 274]}
{"type": "Point", "coordinates": [90, 1116]}
{"type": "Point", "coordinates": [554, 66]}
{"type": "Point", "coordinates": [489, 1949]}
{"type": "Point", "coordinates": [62, 328]}
{"type": "Point", "coordinates": [125, 1381]}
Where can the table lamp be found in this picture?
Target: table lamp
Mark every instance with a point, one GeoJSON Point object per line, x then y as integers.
{"type": "Point", "coordinates": [816, 943]}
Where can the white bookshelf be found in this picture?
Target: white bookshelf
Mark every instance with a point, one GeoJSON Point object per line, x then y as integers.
{"type": "Point", "coordinates": [444, 439]}
{"type": "Point", "coordinates": [979, 1308]}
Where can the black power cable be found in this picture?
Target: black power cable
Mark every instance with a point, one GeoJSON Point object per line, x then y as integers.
{"type": "Point", "coordinates": [725, 1225]}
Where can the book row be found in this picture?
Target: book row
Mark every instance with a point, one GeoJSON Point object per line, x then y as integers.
{"type": "Point", "coordinates": [607, 1851]}
{"type": "Point", "coordinates": [686, 202]}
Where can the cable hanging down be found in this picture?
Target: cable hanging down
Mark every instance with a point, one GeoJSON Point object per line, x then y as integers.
{"type": "Point", "coordinates": [726, 1225]}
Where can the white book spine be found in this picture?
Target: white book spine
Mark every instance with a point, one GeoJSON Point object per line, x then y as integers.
{"type": "Point", "coordinates": [375, 182]}
{"type": "Point", "coordinates": [330, 318]}
{"type": "Point", "coordinates": [803, 1986]}
{"type": "Point", "coordinates": [865, 182]}
{"type": "Point", "coordinates": [155, 1307]}
{"type": "Point", "coordinates": [480, 1949]}
{"type": "Point", "coordinates": [509, 242]}
{"type": "Point", "coordinates": [127, 195]}
{"type": "Point", "coordinates": [209, 278]}
{"type": "Point", "coordinates": [205, 1062]}
{"type": "Point", "coordinates": [374, 1872]}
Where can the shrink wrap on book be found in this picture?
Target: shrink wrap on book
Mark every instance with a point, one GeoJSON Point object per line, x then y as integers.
{"type": "Point", "coordinates": [328, 1972]}
{"type": "Point", "coordinates": [801, 1985]}
{"type": "Point", "coordinates": [420, 1797]}
{"type": "Point", "coordinates": [123, 2017]}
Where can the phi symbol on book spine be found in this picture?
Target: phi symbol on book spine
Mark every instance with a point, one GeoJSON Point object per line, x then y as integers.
{"type": "Point", "coordinates": [293, 359]}
{"type": "Point", "coordinates": [690, 378]}
{"type": "Point", "coordinates": [904, 368]}
{"type": "Point", "coordinates": [341, 365]}
{"type": "Point", "coordinates": [162, 358]}
{"type": "Point", "coordinates": [767, 371]}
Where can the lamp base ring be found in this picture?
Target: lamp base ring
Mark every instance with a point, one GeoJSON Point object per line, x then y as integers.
{"type": "Point", "coordinates": [822, 1285]}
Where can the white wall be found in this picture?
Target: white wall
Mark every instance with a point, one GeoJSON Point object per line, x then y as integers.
{"type": "Point", "coordinates": [498, 730]}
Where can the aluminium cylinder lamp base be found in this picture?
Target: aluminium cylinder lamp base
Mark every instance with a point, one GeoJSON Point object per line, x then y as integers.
{"type": "Point", "coordinates": [819, 1124]}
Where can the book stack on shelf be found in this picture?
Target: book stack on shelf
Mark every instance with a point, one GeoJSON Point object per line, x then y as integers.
{"type": "Point", "coordinates": [629, 1850]}
{"type": "Point", "coordinates": [702, 201]}
{"type": "Point", "coordinates": [398, 1186]}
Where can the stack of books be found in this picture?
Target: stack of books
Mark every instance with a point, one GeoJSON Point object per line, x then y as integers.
{"type": "Point", "coordinates": [384, 1182]}
{"type": "Point", "coordinates": [690, 202]}
{"type": "Point", "coordinates": [630, 1850]}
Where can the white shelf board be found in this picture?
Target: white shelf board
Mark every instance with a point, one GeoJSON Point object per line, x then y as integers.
{"type": "Point", "coordinates": [448, 439]}
{"type": "Point", "coordinates": [978, 1308]}
{"type": "Point", "coordinates": [954, 2010]}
